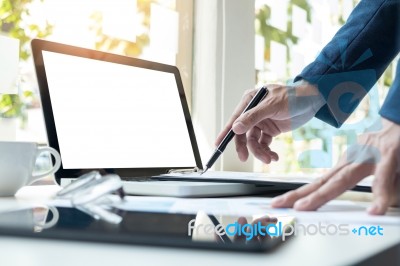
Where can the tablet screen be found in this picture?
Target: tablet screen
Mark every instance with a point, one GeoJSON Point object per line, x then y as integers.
{"type": "Point", "coordinates": [198, 230]}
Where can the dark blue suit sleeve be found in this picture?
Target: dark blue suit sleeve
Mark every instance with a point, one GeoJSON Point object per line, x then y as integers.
{"type": "Point", "coordinates": [351, 63]}
{"type": "Point", "coordinates": [391, 107]}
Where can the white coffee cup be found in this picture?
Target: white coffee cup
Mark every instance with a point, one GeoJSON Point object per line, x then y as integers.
{"type": "Point", "coordinates": [17, 161]}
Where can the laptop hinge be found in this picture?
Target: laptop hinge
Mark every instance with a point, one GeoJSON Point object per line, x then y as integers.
{"type": "Point", "coordinates": [184, 171]}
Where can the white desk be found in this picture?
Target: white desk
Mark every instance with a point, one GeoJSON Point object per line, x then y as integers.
{"type": "Point", "coordinates": [300, 250]}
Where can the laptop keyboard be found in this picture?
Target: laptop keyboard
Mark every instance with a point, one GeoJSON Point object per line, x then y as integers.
{"type": "Point", "coordinates": [138, 179]}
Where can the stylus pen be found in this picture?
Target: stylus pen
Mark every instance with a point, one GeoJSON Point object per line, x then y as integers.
{"type": "Point", "coordinates": [222, 236]}
{"type": "Point", "coordinates": [260, 95]}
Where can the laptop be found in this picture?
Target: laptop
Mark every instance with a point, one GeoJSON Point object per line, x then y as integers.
{"type": "Point", "coordinates": [127, 116]}
{"type": "Point", "coordinates": [122, 115]}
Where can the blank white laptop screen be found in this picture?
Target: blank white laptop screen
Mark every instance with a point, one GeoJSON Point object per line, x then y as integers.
{"type": "Point", "coordinates": [110, 115]}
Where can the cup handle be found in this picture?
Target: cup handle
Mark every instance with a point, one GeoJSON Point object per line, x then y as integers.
{"type": "Point", "coordinates": [54, 169]}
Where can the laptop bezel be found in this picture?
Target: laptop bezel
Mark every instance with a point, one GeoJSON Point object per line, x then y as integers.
{"type": "Point", "coordinates": [38, 46]}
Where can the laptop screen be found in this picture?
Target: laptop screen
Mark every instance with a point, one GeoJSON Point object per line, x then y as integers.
{"type": "Point", "coordinates": [110, 115]}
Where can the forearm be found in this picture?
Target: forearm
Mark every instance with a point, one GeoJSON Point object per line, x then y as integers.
{"type": "Point", "coordinates": [353, 61]}
{"type": "Point", "coordinates": [391, 107]}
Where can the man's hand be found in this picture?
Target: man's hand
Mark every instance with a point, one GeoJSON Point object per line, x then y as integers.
{"type": "Point", "coordinates": [376, 154]}
{"type": "Point", "coordinates": [284, 109]}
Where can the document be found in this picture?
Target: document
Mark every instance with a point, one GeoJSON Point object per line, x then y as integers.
{"type": "Point", "coordinates": [251, 177]}
{"type": "Point", "coordinates": [338, 211]}
{"type": "Point", "coordinates": [335, 211]}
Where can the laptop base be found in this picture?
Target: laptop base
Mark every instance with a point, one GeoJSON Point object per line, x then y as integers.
{"type": "Point", "coordinates": [186, 189]}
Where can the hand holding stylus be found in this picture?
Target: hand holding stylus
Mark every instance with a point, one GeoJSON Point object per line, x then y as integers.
{"type": "Point", "coordinates": [255, 128]}
{"type": "Point", "coordinates": [257, 98]}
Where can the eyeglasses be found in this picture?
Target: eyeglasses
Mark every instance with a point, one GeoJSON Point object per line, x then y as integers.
{"type": "Point", "coordinates": [92, 193]}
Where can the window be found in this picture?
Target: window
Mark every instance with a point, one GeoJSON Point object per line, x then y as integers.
{"type": "Point", "coordinates": [157, 30]}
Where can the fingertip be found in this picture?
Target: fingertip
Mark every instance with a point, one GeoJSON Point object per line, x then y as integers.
{"type": "Point", "coordinates": [219, 138]}
{"type": "Point", "coordinates": [278, 202]}
{"type": "Point", "coordinates": [243, 156]}
{"type": "Point", "coordinates": [274, 156]}
{"type": "Point", "coordinates": [380, 204]}
{"type": "Point", "coordinates": [239, 128]}
{"type": "Point", "coordinates": [242, 220]}
{"type": "Point", "coordinates": [242, 152]}
{"type": "Point", "coordinates": [372, 210]}
{"type": "Point", "coordinates": [302, 205]}
{"type": "Point", "coordinates": [266, 159]}
{"type": "Point", "coordinates": [377, 209]}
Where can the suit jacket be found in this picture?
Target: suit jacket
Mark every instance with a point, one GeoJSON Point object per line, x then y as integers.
{"type": "Point", "coordinates": [351, 63]}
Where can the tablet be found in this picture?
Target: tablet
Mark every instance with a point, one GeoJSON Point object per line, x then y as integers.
{"type": "Point", "coordinates": [200, 230]}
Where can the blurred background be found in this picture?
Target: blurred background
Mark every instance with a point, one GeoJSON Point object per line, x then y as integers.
{"type": "Point", "coordinates": [221, 49]}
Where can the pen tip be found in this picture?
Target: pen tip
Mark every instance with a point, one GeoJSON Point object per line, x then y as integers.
{"type": "Point", "coordinates": [205, 170]}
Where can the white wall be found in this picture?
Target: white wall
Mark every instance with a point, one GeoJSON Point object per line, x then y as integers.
{"type": "Point", "coordinates": [223, 69]}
